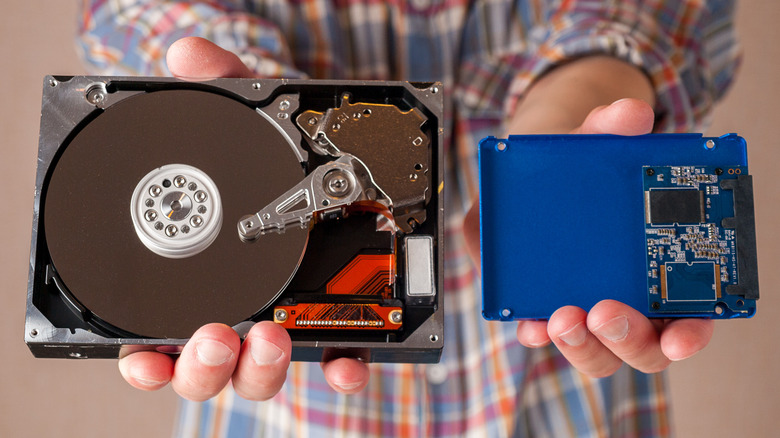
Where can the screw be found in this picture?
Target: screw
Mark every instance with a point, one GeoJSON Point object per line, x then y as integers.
{"type": "Point", "coordinates": [179, 181]}
{"type": "Point", "coordinates": [149, 203]}
{"type": "Point", "coordinates": [192, 186]}
{"type": "Point", "coordinates": [655, 305]}
{"type": "Point", "coordinates": [95, 96]}
{"type": "Point", "coordinates": [185, 229]}
{"type": "Point", "coordinates": [202, 209]}
{"type": "Point", "coordinates": [196, 221]}
{"type": "Point", "coordinates": [395, 316]}
{"type": "Point", "coordinates": [256, 85]}
{"type": "Point", "coordinates": [284, 105]}
{"type": "Point", "coordinates": [34, 333]}
{"type": "Point", "coordinates": [312, 121]}
{"type": "Point", "coordinates": [718, 171]}
{"type": "Point", "coordinates": [150, 215]}
{"type": "Point", "coordinates": [337, 183]}
{"type": "Point", "coordinates": [650, 172]}
{"type": "Point", "coordinates": [171, 230]}
{"type": "Point", "coordinates": [155, 190]}
{"type": "Point", "coordinates": [158, 226]}
{"type": "Point", "coordinates": [280, 315]}
{"type": "Point", "coordinates": [201, 196]}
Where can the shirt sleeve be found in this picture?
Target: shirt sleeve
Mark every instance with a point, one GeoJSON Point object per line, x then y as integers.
{"type": "Point", "coordinates": [131, 37]}
{"type": "Point", "coordinates": [687, 48]}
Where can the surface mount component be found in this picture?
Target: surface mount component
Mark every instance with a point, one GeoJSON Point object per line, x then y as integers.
{"type": "Point", "coordinates": [664, 223]}
{"type": "Point", "coordinates": [142, 182]}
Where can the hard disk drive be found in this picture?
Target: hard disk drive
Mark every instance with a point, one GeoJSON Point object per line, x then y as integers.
{"type": "Point", "coordinates": [162, 205]}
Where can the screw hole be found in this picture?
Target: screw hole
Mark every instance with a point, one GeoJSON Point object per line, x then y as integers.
{"type": "Point", "coordinates": [434, 338]}
{"type": "Point", "coordinates": [501, 146]}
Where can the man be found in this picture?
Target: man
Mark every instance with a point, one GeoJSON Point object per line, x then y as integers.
{"type": "Point", "coordinates": [509, 67]}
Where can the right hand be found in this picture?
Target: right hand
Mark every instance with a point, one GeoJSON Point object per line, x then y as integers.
{"type": "Point", "coordinates": [214, 354]}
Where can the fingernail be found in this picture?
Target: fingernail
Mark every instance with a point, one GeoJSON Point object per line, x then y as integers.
{"type": "Point", "coordinates": [148, 382]}
{"type": "Point", "coordinates": [615, 330]}
{"type": "Point", "coordinates": [574, 336]}
{"type": "Point", "coordinates": [347, 386]}
{"type": "Point", "coordinates": [264, 352]}
{"type": "Point", "coordinates": [212, 353]}
{"type": "Point", "coordinates": [618, 101]}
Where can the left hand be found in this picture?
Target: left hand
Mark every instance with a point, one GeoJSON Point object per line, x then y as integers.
{"type": "Point", "coordinates": [597, 342]}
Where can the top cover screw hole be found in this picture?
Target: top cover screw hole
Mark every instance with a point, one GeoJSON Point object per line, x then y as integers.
{"type": "Point", "coordinates": [256, 85]}
{"type": "Point", "coordinates": [709, 144]}
{"type": "Point", "coordinates": [501, 146]}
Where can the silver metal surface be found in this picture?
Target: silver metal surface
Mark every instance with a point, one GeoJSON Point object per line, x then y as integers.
{"type": "Point", "coordinates": [419, 266]}
{"type": "Point", "coordinates": [175, 205]}
{"type": "Point", "coordinates": [390, 144]}
{"type": "Point", "coordinates": [329, 188]}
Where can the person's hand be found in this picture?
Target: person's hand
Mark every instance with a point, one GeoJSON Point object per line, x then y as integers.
{"type": "Point", "coordinates": [598, 341]}
{"type": "Point", "coordinates": [214, 354]}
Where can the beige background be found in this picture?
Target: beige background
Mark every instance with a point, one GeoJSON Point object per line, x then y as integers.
{"type": "Point", "coordinates": [730, 389]}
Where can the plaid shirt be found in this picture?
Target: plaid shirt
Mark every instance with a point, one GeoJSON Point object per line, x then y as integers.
{"type": "Point", "coordinates": [487, 53]}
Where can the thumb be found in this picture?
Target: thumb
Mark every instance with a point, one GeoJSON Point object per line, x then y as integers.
{"type": "Point", "coordinates": [622, 117]}
{"type": "Point", "coordinates": [198, 58]}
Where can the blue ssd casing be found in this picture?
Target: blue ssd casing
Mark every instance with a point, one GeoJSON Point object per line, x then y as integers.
{"type": "Point", "coordinates": [661, 222]}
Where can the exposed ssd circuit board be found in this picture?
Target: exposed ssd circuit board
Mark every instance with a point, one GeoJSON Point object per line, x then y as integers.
{"type": "Point", "coordinates": [693, 217]}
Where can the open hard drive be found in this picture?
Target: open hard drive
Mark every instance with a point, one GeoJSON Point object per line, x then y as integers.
{"type": "Point", "coordinates": [163, 205]}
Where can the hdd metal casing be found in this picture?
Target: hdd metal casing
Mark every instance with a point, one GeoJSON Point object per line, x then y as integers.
{"type": "Point", "coordinates": [162, 205]}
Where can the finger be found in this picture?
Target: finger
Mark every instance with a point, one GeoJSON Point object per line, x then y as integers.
{"type": "Point", "coordinates": [568, 330]}
{"type": "Point", "coordinates": [533, 334]}
{"type": "Point", "coordinates": [471, 233]}
{"type": "Point", "coordinates": [622, 117]}
{"type": "Point", "coordinates": [348, 376]}
{"type": "Point", "coordinates": [147, 370]}
{"type": "Point", "coordinates": [198, 59]}
{"type": "Point", "coordinates": [682, 338]}
{"type": "Point", "coordinates": [628, 334]}
{"type": "Point", "coordinates": [206, 362]}
{"type": "Point", "coordinates": [262, 365]}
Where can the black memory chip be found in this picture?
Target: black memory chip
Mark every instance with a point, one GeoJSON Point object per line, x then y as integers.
{"type": "Point", "coordinates": [680, 206]}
